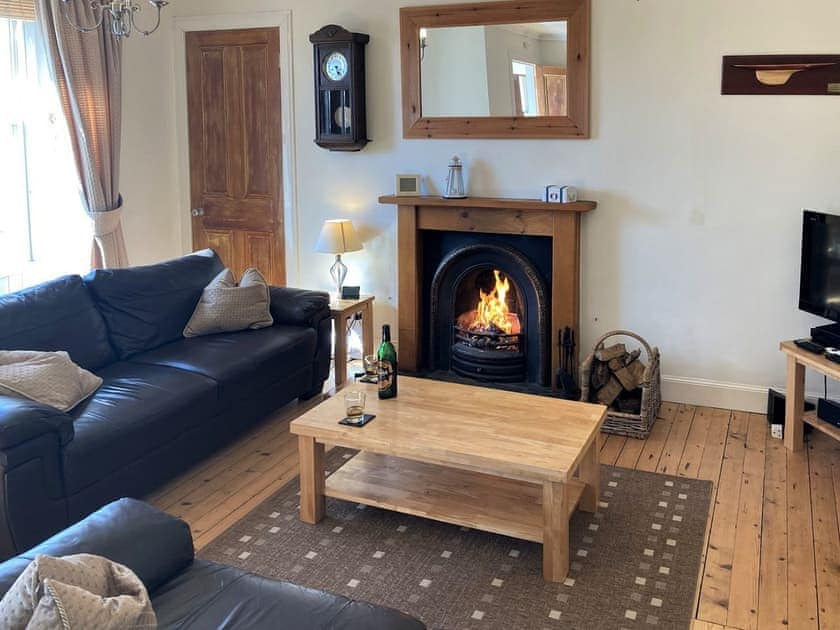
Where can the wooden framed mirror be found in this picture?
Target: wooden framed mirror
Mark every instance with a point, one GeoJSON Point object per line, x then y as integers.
{"type": "Point", "coordinates": [511, 69]}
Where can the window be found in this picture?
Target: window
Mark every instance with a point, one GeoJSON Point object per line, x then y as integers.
{"type": "Point", "coordinates": [44, 231]}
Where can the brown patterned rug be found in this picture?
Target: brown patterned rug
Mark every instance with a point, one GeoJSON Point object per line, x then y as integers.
{"type": "Point", "coordinates": [635, 564]}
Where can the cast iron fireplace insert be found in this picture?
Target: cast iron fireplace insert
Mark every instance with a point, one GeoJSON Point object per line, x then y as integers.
{"type": "Point", "coordinates": [489, 310]}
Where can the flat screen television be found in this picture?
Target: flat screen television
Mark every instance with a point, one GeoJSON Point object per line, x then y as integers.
{"type": "Point", "coordinates": [819, 289]}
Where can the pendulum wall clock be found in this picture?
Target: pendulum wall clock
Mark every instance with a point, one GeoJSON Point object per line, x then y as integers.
{"type": "Point", "coordinates": [340, 112]}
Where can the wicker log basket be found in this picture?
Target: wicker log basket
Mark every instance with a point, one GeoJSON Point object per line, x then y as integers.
{"type": "Point", "coordinates": [628, 424]}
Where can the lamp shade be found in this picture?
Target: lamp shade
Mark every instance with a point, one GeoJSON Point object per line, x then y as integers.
{"type": "Point", "coordinates": [338, 236]}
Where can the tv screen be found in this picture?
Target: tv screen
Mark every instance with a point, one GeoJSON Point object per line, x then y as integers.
{"type": "Point", "coordinates": [819, 289]}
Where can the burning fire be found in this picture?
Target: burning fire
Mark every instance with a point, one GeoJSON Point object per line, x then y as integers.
{"type": "Point", "coordinates": [492, 313]}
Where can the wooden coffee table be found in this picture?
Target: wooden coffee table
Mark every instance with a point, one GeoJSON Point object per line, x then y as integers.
{"type": "Point", "coordinates": [501, 462]}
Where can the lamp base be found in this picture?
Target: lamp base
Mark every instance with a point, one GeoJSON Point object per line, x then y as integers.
{"type": "Point", "coordinates": [339, 273]}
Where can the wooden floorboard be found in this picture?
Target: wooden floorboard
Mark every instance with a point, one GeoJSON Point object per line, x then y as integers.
{"type": "Point", "coordinates": [772, 554]}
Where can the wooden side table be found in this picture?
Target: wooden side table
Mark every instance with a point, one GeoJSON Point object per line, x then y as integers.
{"type": "Point", "coordinates": [341, 311]}
{"type": "Point", "coordinates": [795, 416]}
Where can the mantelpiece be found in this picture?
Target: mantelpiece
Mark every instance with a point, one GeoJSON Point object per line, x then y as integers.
{"type": "Point", "coordinates": [560, 222]}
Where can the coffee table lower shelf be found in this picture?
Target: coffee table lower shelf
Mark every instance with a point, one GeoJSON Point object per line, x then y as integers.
{"type": "Point", "coordinates": [460, 497]}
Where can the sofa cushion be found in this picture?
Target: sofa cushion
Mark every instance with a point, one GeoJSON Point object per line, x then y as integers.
{"type": "Point", "coordinates": [79, 591]}
{"type": "Point", "coordinates": [242, 363]}
{"type": "Point", "coordinates": [210, 595]}
{"type": "Point", "coordinates": [56, 315]}
{"type": "Point", "coordinates": [146, 307]}
{"type": "Point", "coordinates": [138, 408]}
{"type": "Point", "coordinates": [227, 307]}
{"type": "Point", "coordinates": [49, 378]}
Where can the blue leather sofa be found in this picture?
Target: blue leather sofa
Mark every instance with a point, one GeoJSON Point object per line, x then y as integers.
{"type": "Point", "coordinates": [189, 593]}
{"type": "Point", "coordinates": [166, 402]}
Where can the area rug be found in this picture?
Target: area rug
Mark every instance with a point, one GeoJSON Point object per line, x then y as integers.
{"type": "Point", "coordinates": [635, 563]}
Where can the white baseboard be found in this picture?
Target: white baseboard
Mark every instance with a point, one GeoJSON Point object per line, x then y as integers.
{"type": "Point", "coordinates": [698, 391]}
{"type": "Point", "coordinates": [705, 393]}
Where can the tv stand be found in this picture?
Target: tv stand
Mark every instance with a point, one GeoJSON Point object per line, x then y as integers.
{"type": "Point", "coordinates": [828, 336]}
{"type": "Point", "coordinates": [795, 415]}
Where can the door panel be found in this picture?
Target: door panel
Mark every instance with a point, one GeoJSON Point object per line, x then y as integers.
{"type": "Point", "coordinates": [222, 242]}
{"type": "Point", "coordinates": [235, 170]}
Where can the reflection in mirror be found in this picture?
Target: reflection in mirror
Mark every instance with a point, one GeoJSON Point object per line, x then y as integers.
{"type": "Point", "coordinates": [499, 70]}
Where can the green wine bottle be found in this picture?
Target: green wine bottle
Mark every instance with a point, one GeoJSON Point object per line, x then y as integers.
{"type": "Point", "coordinates": [387, 356]}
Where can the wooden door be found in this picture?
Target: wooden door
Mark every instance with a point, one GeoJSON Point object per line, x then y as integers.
{"type": "Point", "coordinates": [233, 84]}
{"type": "Point", "coordinates": [551, 91]}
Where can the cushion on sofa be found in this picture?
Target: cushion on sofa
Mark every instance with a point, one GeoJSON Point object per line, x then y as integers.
{"type": "Point", "coordinates": [79, 591]}
{"type": "Point", "coordinates": [146, 307]}
{"type": "Point", "coordinates": [49, 378]}
{"type": "Point", "coordinates": [241, 363]}
{"type": "Point", "coordinates": [56, 315]}
{"type": "Point", "coordinates": [227, 307]}
{"type": "Point", "coordinates": [138, 408]}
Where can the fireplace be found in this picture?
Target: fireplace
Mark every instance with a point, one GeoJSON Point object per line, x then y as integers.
{"type": "Point", "coordinates": [488, 308]}
{"type": "Point", "coordinates": [449, 254]}
{"type": "Point", "coordinates": [489, 342]}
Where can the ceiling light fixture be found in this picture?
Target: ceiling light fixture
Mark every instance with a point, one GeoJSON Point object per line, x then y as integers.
{"type": "Point", "coordinates": [118, 13]}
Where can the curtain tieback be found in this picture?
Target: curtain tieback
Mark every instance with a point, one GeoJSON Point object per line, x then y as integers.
{"type": "Point", "coordinates": [107, 222]}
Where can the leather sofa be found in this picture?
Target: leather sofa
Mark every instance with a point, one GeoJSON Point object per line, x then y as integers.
{"type": "Point", "coordinates": [166, 401]}
{"type": "Point", "coordinates": [189, 593]}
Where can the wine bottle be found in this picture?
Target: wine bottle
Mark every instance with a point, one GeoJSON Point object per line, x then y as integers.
{"type": "Point", "coordinates": [387, 356]}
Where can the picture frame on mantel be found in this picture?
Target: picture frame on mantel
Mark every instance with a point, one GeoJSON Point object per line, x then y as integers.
{"type": "Point", "coordinates": [573, 125]}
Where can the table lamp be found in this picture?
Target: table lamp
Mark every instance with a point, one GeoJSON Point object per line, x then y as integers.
{"type": "Point", "coordinates": [338, 236]}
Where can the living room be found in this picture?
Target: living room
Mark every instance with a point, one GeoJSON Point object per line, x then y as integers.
{"type": "Point", "coordinates": [664, 198]}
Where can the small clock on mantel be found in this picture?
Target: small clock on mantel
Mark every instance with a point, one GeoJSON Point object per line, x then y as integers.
{"type": "Point", "coordinates": [340, 112]}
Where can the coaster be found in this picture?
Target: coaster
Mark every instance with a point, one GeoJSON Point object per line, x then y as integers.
{"type": "Point", "coordinates": [358, 423]}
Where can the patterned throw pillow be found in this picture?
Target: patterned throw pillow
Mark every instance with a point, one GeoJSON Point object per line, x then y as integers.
{"type": "Point", "coordinates": [225, 307]}
{"type": "Point", "coordinates": [50, 378]}
{"type": "Point", "coordinates": [82, 591]}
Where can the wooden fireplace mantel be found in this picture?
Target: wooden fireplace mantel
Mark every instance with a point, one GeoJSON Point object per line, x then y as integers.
{"type": "Point", "coordinates": [560, 222]}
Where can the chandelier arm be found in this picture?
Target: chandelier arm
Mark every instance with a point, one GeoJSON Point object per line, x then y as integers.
{"type": "Point", "coordinates": [96, 6]}
{"type": "Point", "coordinates": [158, 4]}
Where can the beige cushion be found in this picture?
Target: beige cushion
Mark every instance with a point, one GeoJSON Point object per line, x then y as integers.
{"type": "Point", "coordinates": [50, 378]}
{"type": "Point", "coordinates": [76, 592]}
{"type": "Point", "coordinates": [225, 307]}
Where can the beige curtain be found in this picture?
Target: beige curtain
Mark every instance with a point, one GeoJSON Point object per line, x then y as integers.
{"type": "Point", "coordinates": [17, 9]}
{"type": "Point", "coordinates": [88, 74]}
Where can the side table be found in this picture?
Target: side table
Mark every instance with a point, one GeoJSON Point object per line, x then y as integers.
{"type": "Point", "coordinates": [341, 311]}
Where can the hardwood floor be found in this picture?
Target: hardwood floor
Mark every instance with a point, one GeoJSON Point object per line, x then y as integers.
{"type": "Point", "coordinates": [773, 547]}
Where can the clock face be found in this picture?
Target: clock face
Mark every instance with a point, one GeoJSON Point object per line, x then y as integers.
{"type": "Point", "coordinates": [335, 66]}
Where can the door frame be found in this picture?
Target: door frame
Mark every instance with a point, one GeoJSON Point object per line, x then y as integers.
{"type": "Point", "coordinates": [281, 20]}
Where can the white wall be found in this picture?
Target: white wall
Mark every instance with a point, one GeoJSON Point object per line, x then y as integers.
{"type": "Point", "coordinates": [695, 243]}
{"type": "Point", "coordinates": [454, 72]}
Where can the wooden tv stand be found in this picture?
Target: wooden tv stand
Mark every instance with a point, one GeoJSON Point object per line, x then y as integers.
{"type": "Point", "coordinates": [795, 416]}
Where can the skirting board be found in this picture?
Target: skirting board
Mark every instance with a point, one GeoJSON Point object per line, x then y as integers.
{"type": "Point", "coordinates": [705, 393]}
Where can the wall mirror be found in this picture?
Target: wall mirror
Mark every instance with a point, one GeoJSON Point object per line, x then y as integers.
{"type": "Point", "coordinates": [496, 70]}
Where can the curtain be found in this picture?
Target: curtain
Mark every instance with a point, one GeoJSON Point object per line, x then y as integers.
{"type": "Point", "coordinates": [88, 75]}
{"type": "Point", "coordinates": [17, 9]}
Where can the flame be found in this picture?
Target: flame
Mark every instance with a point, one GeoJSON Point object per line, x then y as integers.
{"type": "Point", "coordinates": [492, 310]}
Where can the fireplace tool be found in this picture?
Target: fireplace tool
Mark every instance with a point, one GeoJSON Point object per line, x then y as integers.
{"type": "Point", "coordinates": [566, 383]}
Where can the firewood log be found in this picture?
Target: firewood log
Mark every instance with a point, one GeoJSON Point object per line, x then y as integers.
{"type": "Point", "coordinates": [600, 375]}
{"type": "Point", "coordinates": [607, 394]}
{"type": "Point", "coordinates": [613, 352]}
